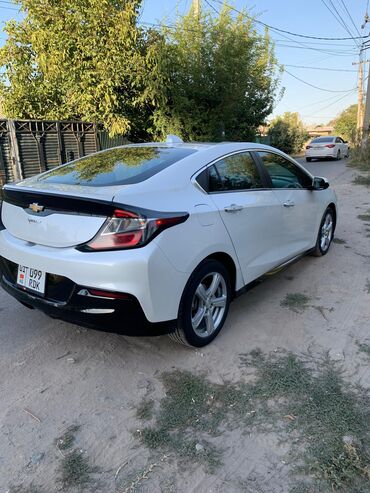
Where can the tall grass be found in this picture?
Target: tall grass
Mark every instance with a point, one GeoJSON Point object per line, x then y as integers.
{"type": "Point", "coordinates": [360, 157]}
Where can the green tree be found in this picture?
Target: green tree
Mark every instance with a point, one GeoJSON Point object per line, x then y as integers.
{"type": "Point", "coordinates": [346, 123]}
{"type": "Point", "coordinates": [219, 78]}
{"type": "Point", "coordinates": [79, 59]}
{"type": "Point", "coordinates": [287, 133]}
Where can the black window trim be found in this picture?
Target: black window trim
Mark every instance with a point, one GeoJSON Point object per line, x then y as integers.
{"type": "Point", "coordinates": [287, 159]}
{"type": "Point", "coordinates": [265, 178]}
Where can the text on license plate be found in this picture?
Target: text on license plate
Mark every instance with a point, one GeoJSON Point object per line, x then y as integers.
{"type": "Point", "coordinates": [33, 279]}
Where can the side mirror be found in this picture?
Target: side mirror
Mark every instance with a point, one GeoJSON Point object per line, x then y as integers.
{"type": "Point", "coordinates": [319, 183]}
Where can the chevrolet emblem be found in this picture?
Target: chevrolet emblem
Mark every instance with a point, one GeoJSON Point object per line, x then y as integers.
{"type": "Point", "coordinates": [35, 207]}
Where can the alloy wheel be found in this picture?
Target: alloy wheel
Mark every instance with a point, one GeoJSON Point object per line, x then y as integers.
{"type": "Point", "coordinates": [326, 232]}
{"type": "Point", "coordinates": [209, 304]}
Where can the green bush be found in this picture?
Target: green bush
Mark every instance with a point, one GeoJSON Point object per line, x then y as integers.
{"type": "Point", "coordinates": [287, 133]}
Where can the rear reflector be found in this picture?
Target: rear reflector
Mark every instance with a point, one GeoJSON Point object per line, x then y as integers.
{"type": "Point", "coordinates": [98, 293]}
{"type": "Point", "coordinates": [109, 294]}
{"type": "Point", "coordinates": [308, 147]}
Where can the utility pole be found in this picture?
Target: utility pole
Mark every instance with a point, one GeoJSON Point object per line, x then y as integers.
{"type": "Point", "coordinates": [366, 117]}
{"type": "Point", "coordinates": [366, 123]}
{"type": "Point", "coordinates": [360, 99]}
{"type": "Point", "coordinates": [196, 8]}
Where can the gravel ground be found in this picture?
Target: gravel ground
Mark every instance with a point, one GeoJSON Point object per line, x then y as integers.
{"type": "Point", "coordinates": [55, 375]}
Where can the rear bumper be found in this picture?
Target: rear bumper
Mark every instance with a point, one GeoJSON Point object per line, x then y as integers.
{"type": "Point", "coordinates": [144, 273]}
{"type": "Point", "coordinates": [320, 154]}
{"type": "Point", "coordinates": [121, 316]}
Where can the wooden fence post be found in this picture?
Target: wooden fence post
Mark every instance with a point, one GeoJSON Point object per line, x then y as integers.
{"type": "Point", "coordinates": [14, 152]}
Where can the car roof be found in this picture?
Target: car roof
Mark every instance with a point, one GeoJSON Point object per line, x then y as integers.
{"type": "Point", "coordinates": [200, 146]}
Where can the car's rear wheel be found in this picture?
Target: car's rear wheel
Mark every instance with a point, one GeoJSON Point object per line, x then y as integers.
{"type": "Point", "coordinates": [326, 233]}
{"type": "Point", "coordinates": [339, 156]}
{"type": "Point", "coordinates": [308, 159]}
{"type": "Point", "coordinates": [204, 305]}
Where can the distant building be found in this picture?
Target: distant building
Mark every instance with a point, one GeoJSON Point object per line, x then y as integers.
{"type": "Point", "coordinates": [319, 130]}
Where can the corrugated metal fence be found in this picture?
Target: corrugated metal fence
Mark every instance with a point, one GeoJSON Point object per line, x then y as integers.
{"type": "Point", "coordinates": [28, 147]}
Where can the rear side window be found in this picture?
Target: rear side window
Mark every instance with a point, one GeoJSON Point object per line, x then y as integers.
{"type": "Point", "coordinates": [233, 173]}
{"type": "Point", "coordinates": [118, 166]}
{"type": "Point", "coordinates": [322, 140]}
{"type": "Point", "coordinates": [283, 173]}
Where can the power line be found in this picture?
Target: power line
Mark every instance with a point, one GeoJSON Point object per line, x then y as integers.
{"type": "Point", "coordinates": [346, 27]}
{"type": "Point", "coordinates": [212, 7]}
{"type": "Point", "coordinates": [299, 44]}
{"type": "Point", "coordinates": [320, 68]}
{"type": "Point", "coordinates": [332, 103]}
{"type": "Point", "coordinates": [350, 16]}
{"type": "Point", "coordinates": [283, 30]}
{"type": "Point", "coordinates": [337, 17]}
{"type": "Point", "coordinates": [334, 53]}
{"type": "Point", "coordinates": [315, 87]}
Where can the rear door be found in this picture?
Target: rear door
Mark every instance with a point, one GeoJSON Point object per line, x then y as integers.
{"type": "Point", "coordinates": [250, 212]}
{"type": "Point", "coordinates": [291, 186]}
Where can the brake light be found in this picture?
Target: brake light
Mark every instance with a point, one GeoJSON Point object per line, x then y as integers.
{"type": "Point", "coordinates": [330, 146]}
{"type": "Point", "coordinates": [308, 147]}
{"type": "Point", "coordinates": [126, 229]}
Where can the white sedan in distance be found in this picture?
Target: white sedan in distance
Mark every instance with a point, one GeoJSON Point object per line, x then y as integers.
{"type": "Point", "coordinates": [327, 147]}
{"type": "Point", "coordinates": [159, 238]}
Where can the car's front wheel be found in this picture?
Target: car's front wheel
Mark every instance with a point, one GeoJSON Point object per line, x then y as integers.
{"type": "Point", "coordinates": [326, 233]}
{"type": "Point", "coordinates": [204, 305]}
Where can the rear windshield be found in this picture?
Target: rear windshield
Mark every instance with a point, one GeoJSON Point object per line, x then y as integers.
{"type": "Point", "coordinates": [118, 166]}
{"type": "Point", "coordinates": [324, 140]}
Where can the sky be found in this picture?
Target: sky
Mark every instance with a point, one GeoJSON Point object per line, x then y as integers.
{"type": "Point", "coordinates": [321, 18]}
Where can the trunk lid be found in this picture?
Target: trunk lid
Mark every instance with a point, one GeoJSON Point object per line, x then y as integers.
{"type": "Point", "coordinates": [56, 217]}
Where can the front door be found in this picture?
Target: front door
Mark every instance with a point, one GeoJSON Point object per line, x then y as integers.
{"type": "Point", "coordinates": [291, 185]}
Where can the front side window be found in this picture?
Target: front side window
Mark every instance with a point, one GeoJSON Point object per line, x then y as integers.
{"type": "Point", "coordinates": [233, 173]}
{"type": "Point", "coordinates": [283, 173]}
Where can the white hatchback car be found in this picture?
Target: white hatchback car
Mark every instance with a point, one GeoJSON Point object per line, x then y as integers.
{"type": "Point", "coordinates": [327, 147]}
{"type": "Point", "coordinates": [159, 238]}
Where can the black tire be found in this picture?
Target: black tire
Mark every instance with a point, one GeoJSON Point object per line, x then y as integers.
{"type": "Point", "coordinates": [339, 156]}
{"type": "Point", "coordinates": [185, 333]}
{"type": "Point", "coordinates": [308, 159]}
{"type": "Point", "coordinates": [319, 249]}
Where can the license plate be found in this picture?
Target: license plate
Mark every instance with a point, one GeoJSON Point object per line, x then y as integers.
{"type": "Point", "coordinates": [317, 148]}
{"type": "Point", "coordinates": [31, 279]}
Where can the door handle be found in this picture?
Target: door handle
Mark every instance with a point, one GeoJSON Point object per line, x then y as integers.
{"type": "Point", "coordinates": [233, 208]}
{"type": "Point", "coordinates": [289, 203]}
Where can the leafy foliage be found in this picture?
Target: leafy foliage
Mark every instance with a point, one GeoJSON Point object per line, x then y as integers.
{"type": "Point", "coordinates": [345, 124]}
{"type": "Point", "coordinates": [206, 79]}
{"type": "Point", "coordinates": [78, 59]}
{"type": "Point", "coordinates": [219, 78]}
{"type": "Point", "coordinates": [287, 133]}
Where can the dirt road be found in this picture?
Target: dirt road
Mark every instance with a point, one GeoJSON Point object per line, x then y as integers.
{"type": "Point", "coordinates": [54, 376]}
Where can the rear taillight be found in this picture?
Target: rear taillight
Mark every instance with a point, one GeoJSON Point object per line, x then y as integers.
{"type": "Point", "coordinates": [127, 229]}
{"type": "Point", "coordinates": [330, 146]}
{"type": "Point", "coordinates": [308, 147]}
